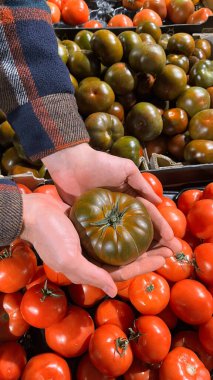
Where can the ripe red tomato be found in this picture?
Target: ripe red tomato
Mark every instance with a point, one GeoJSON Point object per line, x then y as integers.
{"type": "Point", "coordinates": [191, 302]}
{"type": "Point", "coordinates": [200, 219]}
{"type": "Point", "coordinates": [39, 277]}
{"type": "Point", "coordinates": [56, 277]}
{"type": "Point", "coordinates": [109, 350]}
{"type": "Point", "coordinates": [49, 190]}
{"type": "Point", "coordinates": [55, 12]}
{"type": "Point", "coordinates": [12, 361]}
{"type": "Point", "coordinates": [204, 262]}
{"type": "Point", "coordinates": [12, 324]}
{"type": "Point", "coordinates": [175, 218]}
{"type": "Point", "coordinates": [183, 364]}
{"type": "Point", "coordinates": [180, 10]}
{"type": "Point", "coordinates": [209, 240]}
{"type": "Point", "coordinates": [75, 12]}
{"type": "Point", "coordinates": [63, 2]}
{"type": "Point", "coordinates": [187, 199]}
{"type": "Point", "coordinates": [93, 24]}
{"type": "Point", "coordinates": [168, 317]}
{"type": "Point", "coordinates": [206, 336]}
{"type": "Point", "coordinates": [153, 342]}
{"type": "Point", "coordinates": [85, 295]}
{"type": "Point", "coordinates": [123, 288]}
{"type": "Point", "coordinates": [133, 5]}
{"type": "Point", "coordinates": [149, 293]}
{"type": "Point", "coordinates": [147, 15]}
{"type": "Point", "coordinates": [159, 6]}
{"type": "Point", "coordinates": [191, 239]}
{"type": "Point", "coordinates": [43, 304]}
{"type": "Point", "coordinates": [208, 191]}
{"type": "Point", "coordinates": [179, 266]}
{"type": "Point", "coordinates": [71, 335]}
{"type": "Point", "coordinates": [115, 312]}
{"type": "Point", "coordinates": [154, 182]}
{"type": "Point", "coordinates": [47, 366]}
{"type": "Point", "coordinates": [140, 371]}
{"type": "Point", "coordinates": [23, 189]}
{"type": "Point", "coordinates": [199, 16]}
{"type": "Point", "coordinates": [56, 2]}
{"type": "Point", "coordinates": [17, 267]}
{"type": "Point", "coordinates": [87, 371]}
{"type": "Point", "coordinates": [120, 20]}
{"type": "Point", "coordinates": [167, 202]}
{"type": "Point", "coordinates": [190, 339]}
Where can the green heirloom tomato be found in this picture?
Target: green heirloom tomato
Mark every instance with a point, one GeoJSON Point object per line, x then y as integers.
{"type": "Point", "coordinates": [83, 64]}
{"type": "Point", "coordinates": [149, 58]}
{"type": "Point", "coordinates": [193, 100]}
{"type": "Point", "coordinates": [103, 129]}
{"type": "Point", "coordinates": [129, 40]}
{"type": "Point", "coordinates": [114, 228]}
{"type": "Point", "coordinates": [120, 78]}
{"type": "Point", "coordinates": [107, 47]}
{"type": "Point", "coordinates": [128, 147]}
{"type": "Point", "coordinates": [150, 28]}
{"type": "Point", "coordinates": [199, 152]}
{"type": "Point", "coordinates": [170, 83]}
{"type": "Point", "coordinates": [181, 43]}
{"type": "Point", "coordinates": [201, 74]}
{"type": "Point", "coordinates": [83, 38]}
{"type": "Point", "coordinates": [179, 60]}
{"type": "Point", "coordinates": [201, 125]}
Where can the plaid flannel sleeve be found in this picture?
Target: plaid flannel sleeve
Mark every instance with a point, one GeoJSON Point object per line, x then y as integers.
{"type": "Point", "coordinates": [10, 211]}
{"type": "Point", "coordinates": [35, 88]}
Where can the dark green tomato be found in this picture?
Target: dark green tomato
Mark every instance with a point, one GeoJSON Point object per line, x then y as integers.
{"type": "Point", "coordinates": [150, 28]}
{"type": "Point", "coordinates": [144, 85]}
{"type": "Point", "coordinates": [129, 40]}
{"type": "Point", "coordinates": [114, 228]}
{"type": "Point", "coordinates": [9, 158]}
{"type": "Point", "coordinates": [83, 64]}
{"type": "Point", "coordinates": [199, 53]}
{"type": "Point", "coordinates": [144, 121]}
{"type": "Point", "coordinates": [201, 74]}
{"type": "Point", "coordinates": [179, 60]}
{"type": "Point", "coordinates": [71, 46]}
{"type": "Point", "coordinates": [175, 120]}
{"type": "Point", "coordinates": [117, 109]}
{"type": "Point", "coordinates": [181, 43]}
{"type": "Point", "coordinates": [145, 37]}
{"type": "Point", "coordinates": [22, 155]}
{"type": "Point", "coordinates": [158, 145]}
{"type": "Point", "coordinates": [170, 83]}
{"type": "Point", "coordinates": [199, 152]}
{"type": "Point", "coordinates": [128, 100]}
{"type": "Point", "coordinates": [149, 58]}
{"type": "Point", "coordinates": [74, 82]}
{"type": "Point", "coordinates": [193, 100]}
{"type": "Point", "coordinates": [192, 61]}
{"type": "Point", "coordinates": [210, 91]}
{"type": "Point", "coordinates": [128, 147]}
{"type": "Point", "coordinates": [201, 125]}
{"type": "Point", "coordinates": [176, 145]}
{"type": "Point", "coordinates": [205, 45]}
{"type": "Point", "coordinates": [63, 52]}
{"type": "Point", "coordinates": [2, 116]}
{"type": "Point", "coordinates": [120, 78]}
{"type": "Point", "coordinates": [21, 169]}
{"type": "Point", "coordinates": [103, 129]}
{"type": "Point", "coordinates": [163, 41]}
{"type": "Point", "coordinates": [83, 39]}
{"type": "Point", "coordinates": [94, 96]}
{"type": "Point", "coordinates": [7, 134]}
{"type": "Point", "coordinates": [107, 47]}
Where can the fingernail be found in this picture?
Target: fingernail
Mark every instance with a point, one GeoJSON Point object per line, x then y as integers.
{"type": "Point", "coordinates": [111, 292]}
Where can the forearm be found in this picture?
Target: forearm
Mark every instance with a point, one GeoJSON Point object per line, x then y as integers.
{"type": "Point", "coordinates": [36, 92]}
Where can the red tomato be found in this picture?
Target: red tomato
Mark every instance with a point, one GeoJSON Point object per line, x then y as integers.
{"type": "Point", "coordinates": [123, 288]}
{"type": "Point", "coordinates": [116, 313]}
{"type": "Point", "coordinates": [204, 262]}
{"type": "Point", "coordinates": [191, 302]}
{"type": "Point", "coordinates": [147, 15]}
{"type": "Point", "coordinates": [75, 12]}
{"type": "Point", "coordinates": [12, 324]}
{"type": "Point", "coordinates": [87, 371]}
{"type": "Point", "coordinates": [43, 304]}
{"type": "Point", "coordinates": [12, 361]}
{"type": "Point", "coordinates": [63, 2]}
{"type": "Point", "coordinates": [39, 277]}
{"type": "Point", "coordinates": [187, 199]}
{"type": "Point", "coordinates": [133, 5]}
{"type": "Point", "coordinates": [49, 190]}
{"type": "Point", "coordinates": [85, 295]}
{"type": "Point", "coordinates": [149, 293]}
{"type": "Point", "coordinates": [93, 24]}
{"type": "Point", "coordinates": [120, 21]}
{"type": "Point", "coordinates": [23, 189]}
{"type": "Point", "coordinates": [154, 182]}
{"type": "Point", "coordinates": [55, 12]}
{"type": "Point", "coordinates": [140, 371]}
{"type": "Point", "coordinates": [179, 266]}
{"type": "Point", "coordinates": [209, 240]}
{"type": "Point", "coordinates": [199, 16]}
{"type": "Point", "coordinates": [159, 6]}
{"type": "Point", "coordinates": [168, 317]}
{"type": "Point", "coordinates": [208, 191]}
{"type": "Point", "coordinates": [190, 339]}
{"type": "Point", "coordinates": [17, 267]}
{"type": "Point", "coordinates": [109, 350]}
{"type": "Point", "coordinates": [206, 336]}
{"type": "Point", "coordinates": [180, 10]}
{"type": "Point", "coordinates": [47, 366]}
{"type": "Point", "coordinates": [56, 2]}
{"type": "Point", "coordinates": [200, 219]}
{"type": "Point", "coordinates": [167, 202]}
{"type": "Point", "coordinates": [56, 277]}
{"type": "Point", "coordinates": [191, 239]}
{"type": "Point", "coordinates": [152, 339]}
{"type": "Point", "coordinates": [183, 364]}
{"type": "Point", "coordinates": [70, 336]}
{"type": "Point", "coordinates": [175, 218]}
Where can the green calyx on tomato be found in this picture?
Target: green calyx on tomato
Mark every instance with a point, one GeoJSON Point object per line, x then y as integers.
{"type": "Point", "coordinates": [121, 345]}
{"type": "Point", "coordinates": [47, 292]}
{"type": "Point", "coordinates": [6, 253]}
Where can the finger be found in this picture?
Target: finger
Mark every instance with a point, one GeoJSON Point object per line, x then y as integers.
{"type": "Point", "coordinates": [158, 250]}
{"type": "Point", "coordinates": [144, 265]}
{"type": "Point", "coordinates": [174, 244]}
{"type": "Point", "coordinates": [160, 224]}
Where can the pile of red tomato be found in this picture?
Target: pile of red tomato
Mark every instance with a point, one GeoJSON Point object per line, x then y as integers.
{"type": "Point", "coordinates": [159, 327]}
